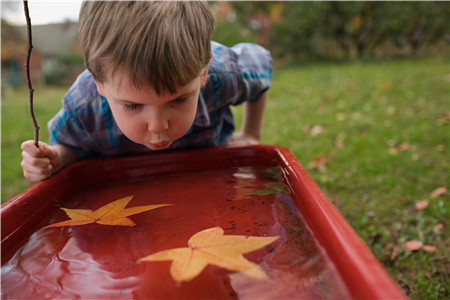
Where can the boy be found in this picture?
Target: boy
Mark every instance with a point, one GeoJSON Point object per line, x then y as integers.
{"type": "Point", "coordinates": [154, 81]}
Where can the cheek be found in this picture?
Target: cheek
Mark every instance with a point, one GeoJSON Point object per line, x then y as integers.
{"type": "Point", "coordinates": [188, 116]}
{"type": "Point", "coordinates": [128, 125]}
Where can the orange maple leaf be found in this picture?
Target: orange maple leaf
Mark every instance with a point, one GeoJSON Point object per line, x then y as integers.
{"type": "Point", "coordinates": [210, 246]}
{"type": "Point", "coordinates": [113, 213]}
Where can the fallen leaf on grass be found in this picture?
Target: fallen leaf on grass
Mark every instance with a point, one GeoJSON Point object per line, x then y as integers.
{"type": "Point", "coordinates": [418, 245]}
{"type": "Point", "coordinates": [413, 245]}
{"type": "Point", "coordinates": [385, 86]}
{"type": "Point", "coordinates": [338, 143]}
{"type": "Point", "coordinates": [395, 252]}
{"type": "Point", "coordinates": [437, 192]}
{"type": "Point", "coordinates": [210, 246]}
{"type": "Point", "coordinates": [318, 163]}
{"type": "Point", "coordinates": [429, 248]}
{"type": "Point", "coordinates": [394, 150]}
{"type": "Point", "coordinates": [313, 130]}
{"type": "Point", "coordinates": [113, 213]}
{"type": "Point", "coordinates": [272, 189]}
{"type": "Point", "coordinates": [443, 118]}
{"type": "Point", "coordinates": [421, 204]}
{"type": "Point", "coordinates": [403, 146]}
{"type": "Point", "coordinates": [438, 228]}
{"type": "Point", "coordinates": [316, 130]}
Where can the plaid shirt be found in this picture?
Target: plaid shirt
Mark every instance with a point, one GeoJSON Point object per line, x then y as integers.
{"type": "Point", "coordinates": [237, 74]}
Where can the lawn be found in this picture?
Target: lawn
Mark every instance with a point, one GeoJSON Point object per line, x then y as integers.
{"type": "Point", "coordinates": [373, 135]}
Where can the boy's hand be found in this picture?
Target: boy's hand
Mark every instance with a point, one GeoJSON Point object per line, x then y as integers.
{"type": "Point", "coordinates": [241, 139]}
{"type": "Point", "coordinates": [252, 123]}
{"type": "Point", "coordinates": [39, 163]}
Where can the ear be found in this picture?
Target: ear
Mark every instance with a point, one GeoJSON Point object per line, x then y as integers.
{"type": "Point", "coordinates": [205, 72]}
{"type": "Point", "coordinates": [100, 89]}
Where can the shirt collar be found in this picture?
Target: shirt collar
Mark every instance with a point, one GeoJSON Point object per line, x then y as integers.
{"type": "Point", "coordinates": [202, 117]}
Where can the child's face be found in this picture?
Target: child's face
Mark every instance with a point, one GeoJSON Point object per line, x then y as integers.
{"type": "Point", "coordinates": [148, 119]}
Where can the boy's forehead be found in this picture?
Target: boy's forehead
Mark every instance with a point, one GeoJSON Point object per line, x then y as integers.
{"type": "Point", "coordinates": [122, 85]}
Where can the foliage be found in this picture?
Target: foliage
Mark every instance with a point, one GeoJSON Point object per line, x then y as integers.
{"type": "Point", "coordinates": [65, 67]}
{"type": "Point", "coordinates": [349, 29]}
{"type": "Point", "coordinates": [230, 33]}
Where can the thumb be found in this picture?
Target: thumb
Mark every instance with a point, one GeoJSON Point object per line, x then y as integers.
{"type": "Point", "coordinates": [48, 151]}
{"type": "Point", "coordinates": [30, 147]}
{"type": "Point", "coordinates": [52, 154]}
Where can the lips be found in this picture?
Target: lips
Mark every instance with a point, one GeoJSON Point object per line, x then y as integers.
{"type": "Point", "coordinates": [159, 146]}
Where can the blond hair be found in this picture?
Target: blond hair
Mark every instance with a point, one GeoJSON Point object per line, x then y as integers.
{"type": "Point", "coordinates": [164, 44]}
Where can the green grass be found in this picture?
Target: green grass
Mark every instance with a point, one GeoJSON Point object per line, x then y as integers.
{"type": "Point", "coordinates": [382, 128]}
{"type": "Point", "coordinates": [366, 111]}
{"type": "Point", "coordinates": [17, 127]}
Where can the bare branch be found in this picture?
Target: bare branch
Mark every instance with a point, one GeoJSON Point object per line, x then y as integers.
{"type": "Point", "coordinates": [30, 87]}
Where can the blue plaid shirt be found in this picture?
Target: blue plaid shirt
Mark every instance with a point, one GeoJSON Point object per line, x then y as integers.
{"type": "Point", "coordinates": [237, 74]}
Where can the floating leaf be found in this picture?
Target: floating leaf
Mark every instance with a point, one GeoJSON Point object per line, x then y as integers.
{"type": "Point", "coordinates": [113, 213]}
{"type": "Point", "coordinates": [273, 189]}
{"type": "Point", "coordinates": [210, 246]}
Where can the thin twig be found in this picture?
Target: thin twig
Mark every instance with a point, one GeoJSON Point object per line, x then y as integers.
{"type": "Point", "coordinates": [30, 87]}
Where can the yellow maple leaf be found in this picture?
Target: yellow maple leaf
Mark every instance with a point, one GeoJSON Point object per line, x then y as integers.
{"type": "Point", "coordinates": [113, 213]}
{"type": "Point", "coordinates": [210, 246]}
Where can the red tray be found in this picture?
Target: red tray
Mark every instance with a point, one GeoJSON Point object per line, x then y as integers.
{"type": "Point", "coordinates": [317, 255]}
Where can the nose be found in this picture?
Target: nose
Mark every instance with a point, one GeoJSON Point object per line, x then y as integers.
{"type": "Point", "coordinates": [157, 121]}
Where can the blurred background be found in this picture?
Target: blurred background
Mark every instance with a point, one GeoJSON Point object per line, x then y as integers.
{"type": "Point", "coordinates": [293, 31]}
{"type": "Point", "coordinates": [360, 94]}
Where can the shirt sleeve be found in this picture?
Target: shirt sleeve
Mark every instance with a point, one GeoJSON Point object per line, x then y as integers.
{"type": "Point", "coordinates": [77, 124]}
{"type": "Point", "coordinates": [255, 69]}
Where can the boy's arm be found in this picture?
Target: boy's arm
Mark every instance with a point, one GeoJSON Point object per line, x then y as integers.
{"type": "Point", "coordinates": [39, 164]}
{"type": "Point", "coordinates": [252, 124]}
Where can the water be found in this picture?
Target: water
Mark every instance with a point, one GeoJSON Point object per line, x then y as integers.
{"type": "Point", "coordinates": [98, 261]}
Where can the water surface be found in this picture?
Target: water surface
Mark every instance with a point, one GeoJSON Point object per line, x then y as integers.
{"type": "Point", "coordinates": [98, 261]}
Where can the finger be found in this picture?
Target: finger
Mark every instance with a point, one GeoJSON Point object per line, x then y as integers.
{"type": "Point", "coordinates": [30, 147]}
{"type": "Point", "coordinates": [48, 151]}
{"type": "Point", "coordinates": [35, 165]}
{"type": "Point", "coordinates": [38, 171]}
{"type": "Point", "coordinates": [44, 170]}
{"type": "Point", "coordinates": [35, 177]}
{"type": "Point", "coordinates": [39, 162]}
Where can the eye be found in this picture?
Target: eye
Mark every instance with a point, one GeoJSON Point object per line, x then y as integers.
{"type": "Point", "coordinates": [131, 106]}
{"type": "Point", "coordinates": [180, 101]}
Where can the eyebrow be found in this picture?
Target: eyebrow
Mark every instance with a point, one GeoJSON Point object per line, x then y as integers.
{"type": "Point", "coordinates": [183, 95]}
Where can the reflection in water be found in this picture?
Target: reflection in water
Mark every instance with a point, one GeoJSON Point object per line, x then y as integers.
{"type": "Point", "coordinates": [97, 262]}
{"type": "Point", "coordinates": [52, 265]}
{"type": "Point", "coordinates": [298, 267]}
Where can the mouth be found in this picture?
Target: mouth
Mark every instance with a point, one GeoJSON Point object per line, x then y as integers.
{"type": "Point", "coordinates": [159, 146]}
